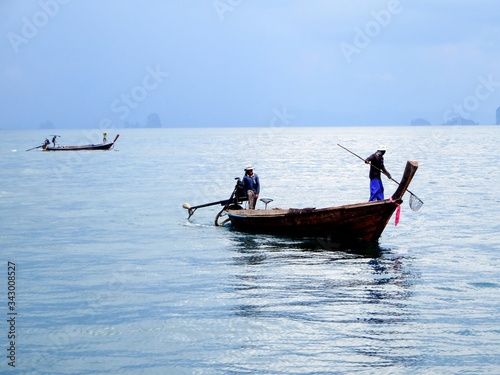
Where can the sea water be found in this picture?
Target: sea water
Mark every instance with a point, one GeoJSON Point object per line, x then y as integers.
{"type": "Point", "coordinates": [109, 275]}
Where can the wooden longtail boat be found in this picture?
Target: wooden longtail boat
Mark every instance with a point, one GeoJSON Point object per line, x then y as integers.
{"type": "Point", "coordinates": [100, 146]}
{"type": "Point", "coordinates": [364, 221]}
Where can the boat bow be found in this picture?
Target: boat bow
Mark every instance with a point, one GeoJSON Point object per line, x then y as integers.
{"type": "Point", "coordinates": [410, 169]}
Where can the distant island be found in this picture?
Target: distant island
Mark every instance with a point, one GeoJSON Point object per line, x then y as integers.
{"type": "Point", "coordinates": [420, 121]}
{"type": "Point", "coordinates": [153, 121]}
{"type": "Point", "coordinates": [458, 120]}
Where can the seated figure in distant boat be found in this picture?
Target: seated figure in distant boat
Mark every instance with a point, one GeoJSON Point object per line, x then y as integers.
{"type": "Point", "coordinates": [45, 143]}
{"type": "Point", "coordinates": [251, 186]}
{"type": "Point", "coordinates": [376, 162]}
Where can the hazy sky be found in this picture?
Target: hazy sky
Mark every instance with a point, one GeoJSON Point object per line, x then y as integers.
{"type": "Point", "coordinates": [89, 63]}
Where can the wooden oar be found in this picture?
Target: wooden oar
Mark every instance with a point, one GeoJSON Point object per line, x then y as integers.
{"type": "Point", "coordinates": [416, 204]}
{"type": "Point", "coordinates": [34, 148]}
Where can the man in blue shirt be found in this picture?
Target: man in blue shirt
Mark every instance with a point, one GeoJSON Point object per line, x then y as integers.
{"type": "Point", "coordinates": [376, 162]}
{"type": "Point", "coordinates": [251, 186]}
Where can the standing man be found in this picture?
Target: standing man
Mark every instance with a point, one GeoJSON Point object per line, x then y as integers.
{"type": "Point", "coordinates": [104, 137]}
{"type": "Point", "coordinates": [251, 186]}
{"type": "Point", "coordinates": [376, 162]}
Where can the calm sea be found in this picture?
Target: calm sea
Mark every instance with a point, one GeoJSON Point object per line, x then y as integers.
{"type": "Point", "coordinates": [111, 277]}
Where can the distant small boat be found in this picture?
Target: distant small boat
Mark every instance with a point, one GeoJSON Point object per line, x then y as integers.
{"type": "Point", "coordinates": [100, 146]}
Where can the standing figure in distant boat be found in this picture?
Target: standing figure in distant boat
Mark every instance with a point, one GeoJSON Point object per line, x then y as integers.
{"type": "Point", "coordinates": [251, 186]}
{"type": "Point", "coordinates": [376, 162]}
{"type": "Point", "coordinates": [105, 138]}
{"type": "Point", "coordinates": [54, 140]}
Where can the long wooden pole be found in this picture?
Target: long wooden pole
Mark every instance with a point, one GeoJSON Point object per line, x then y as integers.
{"type": "Point", "coordinates": [34, 148]}
{"type": "Point", "coordinates": [378, 169]}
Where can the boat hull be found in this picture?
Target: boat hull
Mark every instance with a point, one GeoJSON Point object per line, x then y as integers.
{"type": "Point", "coordinates": [365, 221]}
{"type": "Point", "coordinates": [102, 146]}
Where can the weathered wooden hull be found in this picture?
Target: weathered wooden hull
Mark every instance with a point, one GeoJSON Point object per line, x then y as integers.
{"type": "Point", "coordinates": [365, 221]}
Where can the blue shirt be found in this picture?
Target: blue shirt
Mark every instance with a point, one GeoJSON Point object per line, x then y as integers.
{"type": "Point", "coordinates": [251, 183]}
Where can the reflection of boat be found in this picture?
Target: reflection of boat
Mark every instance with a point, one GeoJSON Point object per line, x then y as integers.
{"type": "Point", "coordinates": [365, 221]}
{"type": "Point", "coordinates": [100, 146]}
{"type": "Point", "coordinates": [259, 249]}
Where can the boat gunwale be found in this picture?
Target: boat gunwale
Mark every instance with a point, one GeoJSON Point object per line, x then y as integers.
{"type": "Point", "coordinates": [282, 212]}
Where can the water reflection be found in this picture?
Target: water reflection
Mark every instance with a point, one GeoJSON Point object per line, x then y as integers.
{"type": "Point", "coordinates": [275, 266]}
{"type": "Point", "coordinates": [354, 299]}
{"type": "Point", "coordinates": [245, 243]}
